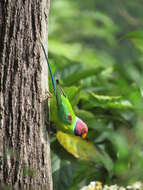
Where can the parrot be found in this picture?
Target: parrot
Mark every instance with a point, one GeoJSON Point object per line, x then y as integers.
{"type": "Point", "coordinates": [67, 120]}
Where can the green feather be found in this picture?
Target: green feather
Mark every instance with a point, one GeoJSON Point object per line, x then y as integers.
{"type": "Point", "coordinates": [65, 110]}
{"type": "Point", "coordinates": [66, 118]}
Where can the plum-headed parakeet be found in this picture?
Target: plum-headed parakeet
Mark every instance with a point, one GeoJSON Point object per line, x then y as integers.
{"type": "Point", "coordinates": [68, 121]}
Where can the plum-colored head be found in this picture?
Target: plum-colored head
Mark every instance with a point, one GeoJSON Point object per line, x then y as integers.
{"type": "Point", "coordinates": [81, 128]}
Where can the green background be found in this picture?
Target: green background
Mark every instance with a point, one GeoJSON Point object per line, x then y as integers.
{"type": "Point", "coordinates": [96, 50]}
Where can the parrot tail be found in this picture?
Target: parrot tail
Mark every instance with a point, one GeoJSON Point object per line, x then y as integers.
{"type": "Point", "coordinates": [46, 56]}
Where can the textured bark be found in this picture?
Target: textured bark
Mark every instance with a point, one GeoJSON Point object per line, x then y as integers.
{"type": "Point", "coordinates": [24, 143]}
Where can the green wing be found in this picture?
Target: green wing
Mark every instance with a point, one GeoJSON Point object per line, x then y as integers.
{"type": "Point", "coordinates": [65, 111]}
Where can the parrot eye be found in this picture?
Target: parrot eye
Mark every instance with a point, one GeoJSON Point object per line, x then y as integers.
{"type": "Point", "coordinates": [83, 130]}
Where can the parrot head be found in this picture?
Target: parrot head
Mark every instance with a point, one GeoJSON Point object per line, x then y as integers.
{"type": "Point", "coordinates": [81, 128]}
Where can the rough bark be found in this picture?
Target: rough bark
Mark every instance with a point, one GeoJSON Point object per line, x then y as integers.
{"type": "Point", "coordinates": [24, 143]}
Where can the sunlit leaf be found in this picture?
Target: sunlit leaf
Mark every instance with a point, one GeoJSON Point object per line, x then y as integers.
{"type": "Point", "coordinates": [79, 148]}
{"type": "Point", "coordinates": [83, 150]}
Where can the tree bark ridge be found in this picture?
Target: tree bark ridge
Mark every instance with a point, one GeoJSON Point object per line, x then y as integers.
{"type": "Point", "coordinates": [24, 150]}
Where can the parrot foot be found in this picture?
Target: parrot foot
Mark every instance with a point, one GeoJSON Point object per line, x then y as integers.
{"type": "Point", "coordinates": [46, 96]}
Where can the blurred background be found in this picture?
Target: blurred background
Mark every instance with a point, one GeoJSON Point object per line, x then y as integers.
{"type": "Point", "coordinates": [96, 50]}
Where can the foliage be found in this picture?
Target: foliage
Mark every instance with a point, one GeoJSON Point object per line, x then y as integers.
{"type": "Point", "coordinates": [99, 62]}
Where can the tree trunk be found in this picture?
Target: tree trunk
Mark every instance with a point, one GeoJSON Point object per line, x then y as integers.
{"type": "Point", "coordinates": [24, 142]}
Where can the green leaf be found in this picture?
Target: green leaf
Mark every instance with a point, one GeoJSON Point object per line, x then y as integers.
{"type": "Point", "coordinates": [62, 173]}
{"type": "Point", "coordinates": [63, 166]}
{"type": "Point", "coordinates": [76, 146]}
{"type": "Point", "coordinates": [114, 102]}
{"type": "Point", "coordinates": [83, 150]}
{"type": "Point", "coordinates": [73, 94]}
{"type": "Point", "coordinates": [72, 73]}
{"type": "Point", "coordinates": [137, 38]}
{"type": "Point", "coordinates": [64, 49]}
{"type": "Point", "coordinates": [76, 77]}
